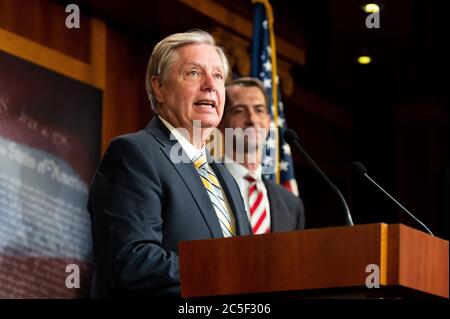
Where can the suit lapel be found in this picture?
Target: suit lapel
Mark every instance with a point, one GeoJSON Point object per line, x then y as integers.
{"type": "Point", "coordinates": [188, 174]}
{"type": "Point", "coordinates": [275, 206]}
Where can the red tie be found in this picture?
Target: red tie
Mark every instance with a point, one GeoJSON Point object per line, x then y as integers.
{"type": "Point", "coordinates": [258, 213]}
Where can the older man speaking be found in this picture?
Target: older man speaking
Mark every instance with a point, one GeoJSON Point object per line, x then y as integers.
{"type": "Point", "coordinates": [145, 197]}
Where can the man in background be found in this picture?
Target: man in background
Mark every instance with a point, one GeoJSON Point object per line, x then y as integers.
{"type": "Point", "coordinates": [270, 207]}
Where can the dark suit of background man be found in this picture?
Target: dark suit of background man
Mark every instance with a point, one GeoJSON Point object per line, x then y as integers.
{"type": "Point", "coordinates": [143, 200]}
{"type": "Point", "coordinates": [270, 207]}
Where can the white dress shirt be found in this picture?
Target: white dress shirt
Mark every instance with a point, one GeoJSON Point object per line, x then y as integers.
{"type": "Point", "coordinates": [239, 172]}
{"type": "Point", "coordinates": [192, 152]}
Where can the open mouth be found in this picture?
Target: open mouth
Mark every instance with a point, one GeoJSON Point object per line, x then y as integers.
{"type": "Point", "coordinates": [205, 103]}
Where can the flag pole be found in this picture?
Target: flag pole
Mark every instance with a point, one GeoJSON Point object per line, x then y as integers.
{"type": "Point", "coordinates": [273, 57]}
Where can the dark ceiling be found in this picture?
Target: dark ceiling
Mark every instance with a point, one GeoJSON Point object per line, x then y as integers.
{"type": "Point", "coordinates": [410, 50]}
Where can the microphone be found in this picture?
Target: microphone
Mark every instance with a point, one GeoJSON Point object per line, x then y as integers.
{"type": "Point", "coordinates": [292, 139]}
{"type": "Point", "coordinates": [360, 171]}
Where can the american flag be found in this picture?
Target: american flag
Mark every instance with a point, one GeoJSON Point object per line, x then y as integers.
{"type": "Point", "coordinates": [277, 161]}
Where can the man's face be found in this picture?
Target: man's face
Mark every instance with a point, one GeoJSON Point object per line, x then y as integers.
{"type": "Point", "coordinates": [194, 88]}
{"type": "Point", "coordinates": [247, 110]}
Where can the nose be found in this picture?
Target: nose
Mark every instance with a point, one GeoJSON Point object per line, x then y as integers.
{"type": "Point", "coordinates": [209, 84]}
{"type": "Point", "coordinates": [252, 118]}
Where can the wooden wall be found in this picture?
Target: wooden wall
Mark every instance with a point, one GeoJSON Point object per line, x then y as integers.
{"type": "Point", "coordinates": [96, 54]}
{"type": "Point", "coordinates": [125, 99]}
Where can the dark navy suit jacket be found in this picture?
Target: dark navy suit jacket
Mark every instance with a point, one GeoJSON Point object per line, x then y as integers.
{"type": "Point", "coordinates": [286, 210]}
{"type": "Point", "coordinates": [142, 205]}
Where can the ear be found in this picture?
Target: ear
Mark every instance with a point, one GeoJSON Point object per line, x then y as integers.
{"type": "Point", "coordinates": [157, 87]}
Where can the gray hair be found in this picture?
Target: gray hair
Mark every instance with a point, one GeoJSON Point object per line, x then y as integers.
{"type": "Point", "coordinates": [163, 57]}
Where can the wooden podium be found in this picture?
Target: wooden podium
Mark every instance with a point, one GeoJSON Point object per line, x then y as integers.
{"type": "Point", "coordinates": [318, 263]}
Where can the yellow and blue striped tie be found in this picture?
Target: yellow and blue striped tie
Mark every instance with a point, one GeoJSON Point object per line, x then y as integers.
{"type": "Point", "coordinates": [215, 194]}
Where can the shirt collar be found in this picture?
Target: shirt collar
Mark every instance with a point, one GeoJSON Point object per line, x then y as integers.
{"type": "Point", "coordinates": [239, 170]}
{"type": "Point", "coordinates": [191, 151]}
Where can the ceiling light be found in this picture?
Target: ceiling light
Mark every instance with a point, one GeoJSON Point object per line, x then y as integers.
{"type": "Point", "coordinates": [364, 59]}
{"type": "Point", "coordinates": [371, 8]}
